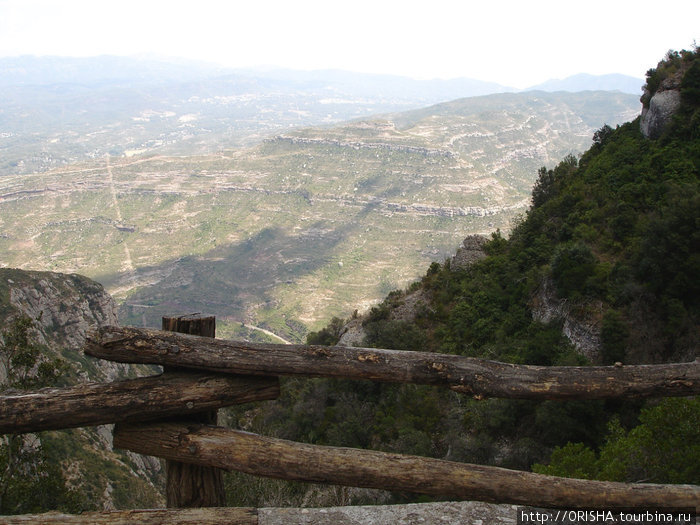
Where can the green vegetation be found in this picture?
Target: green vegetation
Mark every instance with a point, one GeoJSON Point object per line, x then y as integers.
{"type": "Point", "coordinates": [23, 361]}
{"type": "Point", "coordinates": [614, 236]}
{"type": "Point", "coordinates": [29, 480]}
{"type": "Point", "coordinates": [663, 448]}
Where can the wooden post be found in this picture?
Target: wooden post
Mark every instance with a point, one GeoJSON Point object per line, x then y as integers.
{"type": "Point", "coordinates": [190, 485]}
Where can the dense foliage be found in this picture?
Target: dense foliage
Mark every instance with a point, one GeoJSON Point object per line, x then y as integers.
{"type": "Point", "coordinates": [29, 480]}
{"type": "Point", "coordinates": [663, 448]}
{"type": "Point", "coordinates": [613, 234]}
{"type": "Point", "coordinates": [70, 470]}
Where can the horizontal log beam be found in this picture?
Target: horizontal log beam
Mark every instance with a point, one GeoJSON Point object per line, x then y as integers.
{"type": "Point", "coordinates": [152, 397]}
{"type": "Point", "coordinates": [208, 516]}
{"type": "Point", "coordinates": [277, 458]}
{"type": "Point", "coordinates": [478, 377]}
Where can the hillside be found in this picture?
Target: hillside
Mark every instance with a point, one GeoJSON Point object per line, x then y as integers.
{"type": "Point", "coordinates": [602, 268]}
{"type": "Point", "coordinates": [44, 318]}
{"type": "Point", "coordinates": [304, 226]}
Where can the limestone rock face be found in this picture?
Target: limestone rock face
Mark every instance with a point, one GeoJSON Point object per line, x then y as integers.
{"type": "Point", "coordinates": [353, 334]}
{"type": "Point", "coordinates": [64, 307]}
{"type": "Point", "coordinates": [661, 108]}
{"type": "Point", "coordinates": [581, 327]}
{"type": "Point", "coordinates": [471, 251]}
{"type": "Point", "coordinates": [68, 304]}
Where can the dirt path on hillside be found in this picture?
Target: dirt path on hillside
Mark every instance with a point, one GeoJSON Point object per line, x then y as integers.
{"type": "Point", "coordinates": [128, 263]}
{"type": "Point", "coordinates": [271, 334]}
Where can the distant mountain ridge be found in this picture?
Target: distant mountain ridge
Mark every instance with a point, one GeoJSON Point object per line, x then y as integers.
{"type": "Point", "coordinates": [586, 82]}
{"type": "Point", "coordinates": [56, 110]}
{"type": "Point", "coordinates": [47, 70]}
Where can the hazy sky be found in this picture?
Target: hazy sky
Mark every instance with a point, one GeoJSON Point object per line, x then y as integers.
{"type": "Point", "coordinates": [517, 43]}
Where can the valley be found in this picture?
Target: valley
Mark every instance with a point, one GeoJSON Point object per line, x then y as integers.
{"type": "Point", "coordinates": [306, 224]}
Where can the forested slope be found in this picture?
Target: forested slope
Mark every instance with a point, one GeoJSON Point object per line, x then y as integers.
{"type": "Point", "coordinates": [610, 245]}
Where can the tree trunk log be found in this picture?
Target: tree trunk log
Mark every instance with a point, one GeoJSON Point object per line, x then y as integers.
{"type": "Point", "coordinates": [210, 516]}
{"type": "Point", "coordinates": [188, 485]}
{"type": "Point", "coordinates": [478, 377]}
{"type": "Point", "coordinates": [276, 458]}
{"type": "Point", "coordinates": [140, 399]}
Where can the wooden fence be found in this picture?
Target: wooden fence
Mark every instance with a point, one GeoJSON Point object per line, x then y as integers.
{"type": "Point", "coordinates": [173, 416]}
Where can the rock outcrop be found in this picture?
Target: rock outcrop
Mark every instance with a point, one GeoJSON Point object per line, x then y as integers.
{"type": "Point", "coordinates": [581, 327]}
{"type": "Point", "coordinates": [64, 307]}
{"type": "Point", "coordinates": [662, 106]}
{"type": "Point", "coordinates": [471, 251]}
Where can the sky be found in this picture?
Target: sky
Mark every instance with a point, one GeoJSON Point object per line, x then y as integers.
{"type": "Point", "coordinates": [515, 43]}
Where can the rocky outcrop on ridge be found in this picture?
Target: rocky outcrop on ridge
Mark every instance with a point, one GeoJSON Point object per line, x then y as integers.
{"type": "Point", "coordinates": [662, 106]}
{"type": "Point", "coordinates": [471, 251]}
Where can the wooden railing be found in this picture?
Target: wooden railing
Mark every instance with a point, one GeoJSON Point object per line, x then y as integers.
{"type": "Point", "coordinates": [203, 374]}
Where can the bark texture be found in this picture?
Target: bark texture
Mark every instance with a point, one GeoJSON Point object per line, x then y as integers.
{"type": "Point", "coordinates": [188, 485]}
{"type": "Point", "coordinates": [210, 516]}
{"type": "Point", "coordinates": [92, 404]}
{"type": "Point", "coordinates": [478, 377]}
{"type": "Point", "coordinates": [276, 458]}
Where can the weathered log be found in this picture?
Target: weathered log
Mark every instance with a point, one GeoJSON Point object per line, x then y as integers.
{"type": "Point", "coordinates": [208, 516]}
{"type": "Point", "coordinates": [276, 458]}
{"type": "Point", "coordinates": [478, 377]}
{"type": "Point", "coordinates": [188, 485]}
{"type": "Point", "coordinates": [152, 397]}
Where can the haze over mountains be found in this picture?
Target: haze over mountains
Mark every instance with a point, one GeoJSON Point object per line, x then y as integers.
{"type": "Point", "coordinates": [55, 111]}
{"type": "Point", "coordinates": [225, 195]}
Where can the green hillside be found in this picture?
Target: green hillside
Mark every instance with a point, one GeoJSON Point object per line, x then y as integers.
{"type": "Point", "coordinates": [611, 243]}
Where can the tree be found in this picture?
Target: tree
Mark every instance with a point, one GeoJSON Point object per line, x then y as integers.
{"type": "Point", "coordinates": [22, 358]}
{"type": "Point", "coordinates": [663, 448]}
{"type": "Point", "coordinates": [29, 482]}
{"type": "Point", "coordinates": [601, 136]}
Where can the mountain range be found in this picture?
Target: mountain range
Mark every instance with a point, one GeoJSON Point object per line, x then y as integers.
{"type": "Point", "coordinates": [55, 111]}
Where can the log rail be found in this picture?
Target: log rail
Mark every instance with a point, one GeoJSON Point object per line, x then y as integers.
{"type": "Point", "coordinates": [282, 459]}
{"type": "Point", "coordinates": [154, 397]}
{"type": "Point", "coordinates": [204, 374]}
{"type": "Point", "coordinates": [478, 377]}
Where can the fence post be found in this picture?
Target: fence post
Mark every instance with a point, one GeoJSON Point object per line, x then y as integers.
{"type": "Point", "coordinates": [190, 485]}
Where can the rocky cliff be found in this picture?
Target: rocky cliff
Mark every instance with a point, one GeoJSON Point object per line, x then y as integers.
{"type": "Point", "coordinates": [62, 308]}
{"type": "Point", "coordinates": [662, 92]}
{"type": "Point", "coordinates": [662, 106]}
{"type": "Point", "coordinates": [580, 323]}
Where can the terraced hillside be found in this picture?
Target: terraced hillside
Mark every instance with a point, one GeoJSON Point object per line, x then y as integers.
{"type": "Point", "coordinates": [304, 226]}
